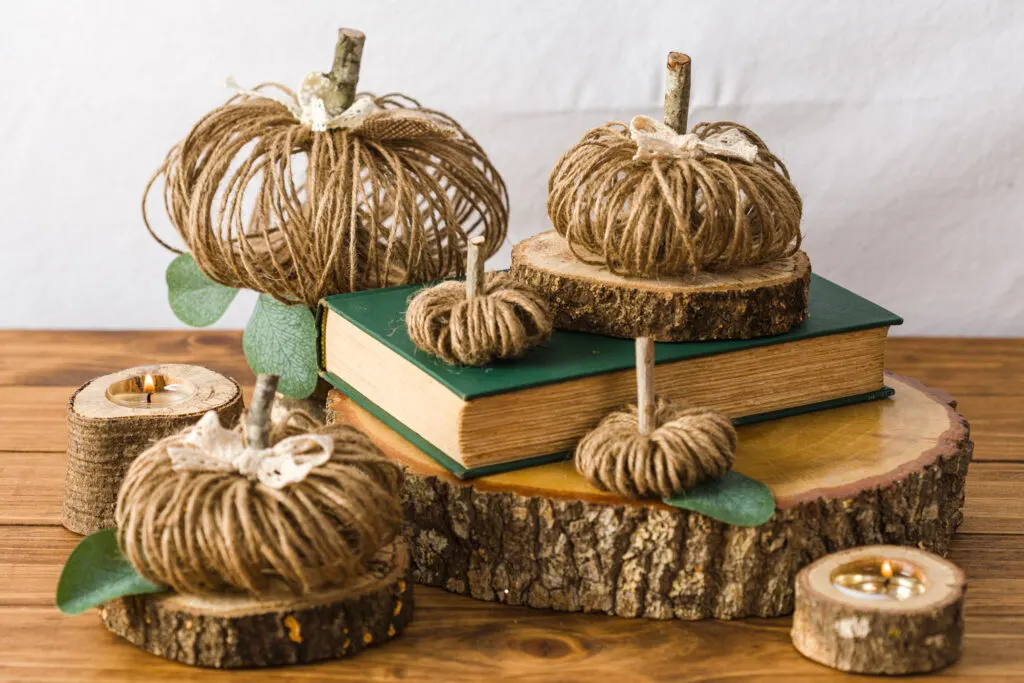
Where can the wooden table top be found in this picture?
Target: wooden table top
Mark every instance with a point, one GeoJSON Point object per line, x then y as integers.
{"type": "Point", "coordinates": [457, 638]}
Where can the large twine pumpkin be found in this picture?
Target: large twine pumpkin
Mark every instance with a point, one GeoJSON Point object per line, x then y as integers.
{"type": "Point", "coordinates": [264, 200]}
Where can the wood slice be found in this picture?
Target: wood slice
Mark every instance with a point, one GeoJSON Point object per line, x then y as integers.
{"type": "Point", "coordinates": [917, 634]}
{"type": "Point", "coordinates": [232, 631]}
{"type": "Point", "coordinates": [743, 304]}
{"type": "Point", "coordinates": [104, 438]}
{"type": "Point", "coordinates": [888, 471]}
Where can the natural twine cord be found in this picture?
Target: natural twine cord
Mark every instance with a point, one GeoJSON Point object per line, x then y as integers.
{"type": "Point", "coordinates": [672, 216]}
{"type": "Point", "coordinates": [264, 202]}
{"type": "Point", "coordinates": [200, 532]}
{"type": "Point", "coordinates": [687, 446]}
{"type": "Point", "coordinates": [504, 321]}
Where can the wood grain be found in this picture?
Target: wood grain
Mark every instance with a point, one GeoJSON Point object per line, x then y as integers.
{"type": "Point", "coordinates": [456, 638]}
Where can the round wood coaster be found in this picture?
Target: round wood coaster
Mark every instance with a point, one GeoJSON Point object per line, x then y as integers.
{"type": "Point", "coordinates": [866, 633]}
{"type": "Point", "coordinates": [233, 631]}
{"type": "Point", "coordinates": [751, 302]}
{"type": "Point", "coordinates": [105, 437]}
{"type": "Point", "coordinates": [888, 471]}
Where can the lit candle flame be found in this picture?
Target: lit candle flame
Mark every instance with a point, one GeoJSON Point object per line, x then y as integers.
{"type": "Point", "coordinates": [887, 569]}
{"type": "Point", "coordinates": [149, 384]}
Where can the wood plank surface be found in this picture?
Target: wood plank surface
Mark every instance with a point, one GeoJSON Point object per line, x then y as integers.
{"type": "Point", "coordinates": [459, 639]}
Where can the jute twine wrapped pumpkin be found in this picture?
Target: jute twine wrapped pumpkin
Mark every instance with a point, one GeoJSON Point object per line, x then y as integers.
{"type": "Point", "coordinates": [265, 506]}
{"type": "Point", "coordinates": [492, 317]}
{"type": "Point", "coordinates": [658, 448]}
{"type": "Point", "coordinates": [320, 192]}
{"type": "Point", "coordinates": [279, 541]}
{"type": "Point", "coordinates": [651, 200]}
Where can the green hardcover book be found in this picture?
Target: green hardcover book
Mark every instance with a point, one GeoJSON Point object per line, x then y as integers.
{"type": "Point", "coordinates": [512, 414]}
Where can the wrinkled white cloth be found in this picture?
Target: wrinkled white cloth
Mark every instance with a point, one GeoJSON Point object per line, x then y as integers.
{"type": "Point", "coordinates": [211, 448]}
{"type": "Point", "coordinates": [655, 139]}
{"type": "Point", "coordinates": [309, 107]}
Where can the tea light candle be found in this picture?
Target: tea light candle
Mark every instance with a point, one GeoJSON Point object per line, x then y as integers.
{"type": "Point", "coordinates": [113, 418]}
{"type": "Point", "coordinates": [150, 391]}
{"type": "Point", "coordinates": [880, 609]}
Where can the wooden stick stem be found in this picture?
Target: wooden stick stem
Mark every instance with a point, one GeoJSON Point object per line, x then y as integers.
{"type": "Point", "coordinates": [645, 384]}
{"type": "Point", "coordinates": [474, 267]}
{"type": "Point", "coordinates": [677, 91]}
{"type": "Point", "coordinates": [257, 420]}
{"type": "Point", "coordinates": [348, 54]}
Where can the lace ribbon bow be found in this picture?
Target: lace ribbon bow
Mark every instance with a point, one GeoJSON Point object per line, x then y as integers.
{"type": "Point", "coordinates": [655, 139]}
{"type": "Point", "coordinates": [211, 448]}
{"type": "Point", "coordinates": [309, 107]}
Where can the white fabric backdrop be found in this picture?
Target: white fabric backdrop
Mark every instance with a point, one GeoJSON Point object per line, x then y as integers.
{"type": "Point", "coordinates": [900, 123]}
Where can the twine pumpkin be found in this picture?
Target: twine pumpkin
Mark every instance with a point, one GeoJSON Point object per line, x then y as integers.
{"type": "Point", "coordinates": [503, 321]}
{"type": "Point", "coordinates": [673, 206]}
{"type": "Point", "coordinates": [268, 200]}
{"type": "Point", "coordinates": [216, 529]}
{"type": "Point", "coordinates": [687, 446]}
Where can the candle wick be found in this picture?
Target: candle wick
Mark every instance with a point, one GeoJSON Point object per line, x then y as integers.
{"type": "Point", "coordinates": [149, 397]}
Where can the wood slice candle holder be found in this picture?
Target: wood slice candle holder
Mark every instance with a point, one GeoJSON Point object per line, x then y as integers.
{"type": "Point", "coordinates": [232, 631]}
{"type": "Point", "coordinates": [751, 302]}
{"type": "Point", "coordinates": [889, 471]}
{"type": "Point", "coordinates": [104, 437]}
{"type": "Point", "coordinates": [880, 610]}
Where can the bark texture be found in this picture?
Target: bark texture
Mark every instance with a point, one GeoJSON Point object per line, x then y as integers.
{"type": "Point", "coordinates": [101, 447]}
{"type": "Point", "coordinates": [857, 636]}
{"type": "Point", "coordinates": [655, 561]}
{"type": "Point", "coordinates": [308, 630]}
{"type": "Point", "coordinates": [743, 310]}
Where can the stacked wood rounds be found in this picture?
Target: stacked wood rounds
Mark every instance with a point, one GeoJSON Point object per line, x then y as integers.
{"type": "Point", "coordinates": [105, 437]}
{"type": "Point", "coordinates": [875, 633]}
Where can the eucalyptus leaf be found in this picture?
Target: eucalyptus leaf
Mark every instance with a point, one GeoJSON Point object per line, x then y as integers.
{"type": "Point", "coordinates": [97, 572]}
{"type": "Point", "coordinates": [281, 340]}
{"type": "Point", "coordinates": [733, 499]}
{"type": "Point", "coordinates": [195, 299]}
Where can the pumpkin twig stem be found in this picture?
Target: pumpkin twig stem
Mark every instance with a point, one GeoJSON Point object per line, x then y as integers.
{"type": "Point", "coordinates": [677, 91]}
{"type": "Point", "coordinates": [257, 420]}
{"type": "Point", "coordinates": [645, 384]}
{"type": "Point", "coordinates": [348, 54]}
{"type": "Point", "coordinates": [474, 267]}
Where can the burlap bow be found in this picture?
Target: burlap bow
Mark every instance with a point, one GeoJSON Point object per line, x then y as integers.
{"type": "Point", "coordinates": [655, 139]}
{"type": "Point", "coordinates": [380, 123]}
{"type": "Point", "coordinates": [211, 448]}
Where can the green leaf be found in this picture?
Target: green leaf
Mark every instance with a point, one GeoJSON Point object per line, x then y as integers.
{"type": "Point", "coordinates": [733, 499]}
{"type": "Point", "coordinates": [196, 299]}
{"type": "Point", "coordinates": [281, 340]}
{"type": "Point", "coordinates": [97, 572]}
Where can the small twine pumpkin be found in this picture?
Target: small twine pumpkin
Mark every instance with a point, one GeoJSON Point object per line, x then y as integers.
{"type": "Point", "coordinates": [505, 320]}
{"type": "Point", "coordinates": [687, 446]}
{"type": "Point", "coordinates": [216, 529]}
{"type": "Point", "coordinates": [681, 205]}
{"type": "Point", "coordinates": [293, 200]}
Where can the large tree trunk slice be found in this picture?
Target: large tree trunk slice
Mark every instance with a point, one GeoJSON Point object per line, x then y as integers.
{"type": "Point", "coordinates": [232, 631]}
{"type": "Point", "coordinates": [888, 471]}
{"type": "Point", "coordinates": [752, 302]}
